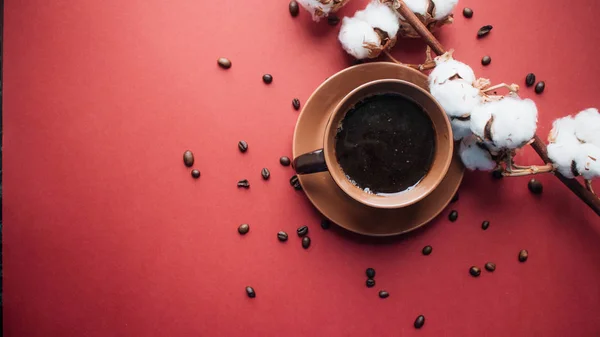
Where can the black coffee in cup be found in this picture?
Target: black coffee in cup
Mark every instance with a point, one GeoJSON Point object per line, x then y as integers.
{"type": "Point", "coordinates": [385, 144]}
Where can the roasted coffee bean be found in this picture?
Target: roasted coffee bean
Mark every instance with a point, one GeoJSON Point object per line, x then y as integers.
{"type": "Point", "coordinates": [325, 224]}
{"type": "Point", "coordinates": [530, 79]}
{"type": "Point", "coordinates": [539, 88]}
{"type": "Point", "coordinates": [427, 250]}
{"type": "Point", "coordinates": [497, 174]}
{"type": "Point", "coordinates": [285, 161]}
{"type": "Point", "coordinates": [282, 236]}
{"type": "Point", "coordinates": [305, 242]}
{"type": "Point", "coordinates": [419, 322]}
{"type": "Point", "coordinates": [523, 255]}
{"type": "Point", "coordinates": [455, 198]}
{"type": "Point", "coordinates": [250, 292]}
{"type": "Point", "coordinates": [483, 31]}
{"type": "Point", "coordinates": [295, 182]}
{"type": "Point", "coordinates": [265, 173]}
{"type": "Point", "coordinates": [244, 228]}
{"type": "Point", "coordinates": [486, 60]}
{"type": "Point", "coordinates": [490, 266]}
{"type": "Point", "coordinates": [224, 63]}
{"type": "Point", "coordinates": [333, 20]}
{"type": "Point", "coordinates": [453, 216]}
{"type": "Point", "coordinates": [370, 283]}
{"type": "Point", "coordinates": [384, 294]}
{"type": "Point", "coordinates": [267, 78]}
{"type": "Point", "coordinates": [474, 271]}
{"type": "Point", "coordinates": [535, 186]}
{"type": "Point", "coordinates": [302, 231]}
{"type": "Point", "coordinates": [294, 9]}
{"type": "Point", "coordinates": [243, 146]}
{"type": "Point", "coordinates": [188, 158]}
{"type": "Point", "coordinates": [296, 103]}
{"type": "Point", "coordinates": [243, 183]}
{"type": "Point", "coordinates": [195, 174]}
{"type": "Point", "coordinates": [485, 225]}
{"type": "Point", "coordinates": [467, 12]}
{"type": "Point", "coordinates": [370, 272]}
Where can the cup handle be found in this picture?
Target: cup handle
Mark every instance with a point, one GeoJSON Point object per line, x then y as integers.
{"type": "Point", "coordinates": [311, 162]}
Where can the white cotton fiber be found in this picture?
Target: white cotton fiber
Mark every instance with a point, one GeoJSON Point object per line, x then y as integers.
{"type": "Point", "coordinates": [562, 155]}
{"type": "Point", "coordinates": [354, 34]}
{"type": "Point", "coordinates": [457, 97]}
{"type": "Point", "coordinates": [444, 8]}
{"type": "Point", "coordinates": [480, 115]}
{"type": "Point", "coordinates": [316, 8]}
{"type": "Point", "coordinates": [447, 67]}
{"type": "Point", "coordinates": [460, 128]}
{"type": "Point", "coordinates": [587, 127]}
{"type": "Point", "coordinates": [379, 15]}
{"type": "Point", "coordinates": [563, 131]}
{"type": "Point", "coordinates": [474, 157]}
{"type": "Point", "coordinates": [515, 122]}
{"type": "Point", "coordinates": [588, 161]}
{"type": "Point", "coordinates": [417, 6]}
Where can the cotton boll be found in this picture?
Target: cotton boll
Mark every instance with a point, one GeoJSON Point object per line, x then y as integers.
{"type": "Point", "coordinates": [354, 36]}
{"type": "Point", "coordinates": [444, 8]}
{"type": "Point", "coordinates": [587, 127]}
{"type": "Point", "coordinates": [474, 157]}
{"type": "Point", "coordinates": [480, 116]}
{"type": "Point", "coordinates": [447, 67]}
{"type": "Point", "coordinates": [515, 122]}
{"type": "Point", "coordinates": [379, 15]}
{"type": "Point", "coordinates": [562, 156]}
{"type": "Point", "coordinates": [457, 97]}
{"type": "Point", "coordinates": [460, 128]}
{"type": "Point", "coordinates": [588, 161]}
{"type": "Point", "coordinates": [316, 8]}
{"type": "Point", "coordinates": [563, 131]}
{"type": "Point", "coordinates": [417, 6]}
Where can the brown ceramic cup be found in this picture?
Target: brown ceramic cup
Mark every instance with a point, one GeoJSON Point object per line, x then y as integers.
{"type": "Point", "coordinates": [324, 159]}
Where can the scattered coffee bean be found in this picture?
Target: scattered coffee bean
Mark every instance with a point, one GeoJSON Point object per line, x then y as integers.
{"type": "Point", "coordinates": [485, 225]}
{"type": "Point", "coordinates": [384, 294]}
{"type": "Point", "coordinates": [294, 9]}
{"type": "Point", "coordinates": [370, 283]}
{"type": "Point", "coordinates": [305, 242]}
{"type": "Point", "coordinates": [188, 158]}
{"type": "Point", "coordinates": [419, 322]}
{"type": "Point", "coordinates": [295, 182]}
{"type": "Point", "coordinates": [333, 20]}
{"type": "Point", "coordinates": [539, 88]}
{"type": "Point", "coordinates": [370, 272]}
{"type": "Point", "coordinates": [530, 79]}
{"type": "Point", "coordinates": [285, 161]}
{"type": "Point", "coordinates": [486, 60]}
{"type": "Point", "coordinates": [535, 186]}
{"type": "Point", "coordinates": [467, 12]}
{"type": "Point", "coordinates": [224, 63]}
{"type": "Point", "coordinates": [453, 216]}
{"type": "Point", "coordinates": [483, 31]}
{"type": "Point", "coordinates": [267, 78]}
{"type": "Point", "coordinates": [497, 174]}
{"type": "Point", "coordinates": [250, 292]}
{"type": "Point", "coordinates": [490, 266]}
{"type": "Point", "coordinates": [523, 255]}
{"type": "Point", "coordinates": [455, 198]}
{"type": "Point", "coordinates": [244, 228]}
{"type": "Point", "coordinates": [282, 236]}
{"type": "Point", "coordinates": [296, 103]}
{"type": "Point", "coordinates": [302, 231]}
{"type": "Point", "coordinates": [474, 271]}
{"type": "Point", "coordinates": [243, 183]}
{"type": "Point", "coordinates": [427, 250]}
{"type": "Point", "coordinates": [243, 146]}
{"type": "Point", "coordinates": [265, 173]}
{"type": "Point", "coordinates": [195, 174]}
{"type": "Point", "coordinates": [325, 224]}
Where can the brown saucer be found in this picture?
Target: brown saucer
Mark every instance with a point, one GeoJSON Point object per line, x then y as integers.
{"type": "Point", "coordinates": [321, 189]}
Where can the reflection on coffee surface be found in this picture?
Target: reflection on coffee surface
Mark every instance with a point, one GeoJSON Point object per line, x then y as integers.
{"type": "Point", "coordinates": [385, 144]}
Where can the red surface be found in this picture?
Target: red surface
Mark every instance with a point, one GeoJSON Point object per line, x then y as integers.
{"type": "Point", "coordinates": [106, 233]}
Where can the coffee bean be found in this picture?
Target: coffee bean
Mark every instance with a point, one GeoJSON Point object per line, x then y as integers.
{"type": "Point", "coordinates": [467, 12]}
{"type": "Point", "coordinates": [490, 266]}
{"type": "Point", "coordinates": [195, 174]}
{"type": "Point", "coordinates": [497, 173]}
{"type": "Point", "coordinates": [296, 103]}
{"type": "Point", "coordinates": [243, 146]}
{"type": "Point", "coordinates": [333, 20]}
{"type": "Point", "coordinates": [250, 292]}
{"type": "Point", "coordinates": [419, 322]}
{"type": "Point", "coordinates": [370, 283]}
{"type": "Point", "coordinates": [188, 158]}
{"type": "Point", "coordinates": [453, 216]}
{"type": "Point", "coordinates": [265, 173]}
{"type": "Point", "coordinates": [486, 60]}
{"type": "Point", "coordinates": [370, 272]}
{"type": "Point", "coordinates": [302, 231]}
{"type": "Point", "coordinates": [295, 182]}
{"type": "Point", "coordinates": [474, 271]}
{"type": "Point", "coordinates": [285, 161]}
{"type": "Point", "coordinates": [384, 294]}
{"type": "Point", "coordinates": [244, 228]}
{"type": "Point", "coordinates": [523, 255]}
{"type": "Point", "coordinates": [530, 79]}
{"type": "Point", "coordinates": [305, 242]}
{"type": "Point", "coordinates": [224, 63]}
{"type": "Point", "coordinates": [243, 183]}
{"type": "Point", "coordinates": [455, 198]}
{"type": "Point", "coordinates": [267, 78]}
{"type": "Point", "coordinates": [325, 224]}
{"type": "Point", "coordinates": [535, 186]}
{"type": "Point", "coordinates": [483, 31]}
{"type": "Point", "coordinates": [282, 236]}
{"type": "Point", "coordinates": [539, 88]}
{"type": "Point", "coordinates": [294, 9]}
{"type": "Point", "coordinates": [485, 225]}
{"type": "Point", "coordinates": [427, 250]}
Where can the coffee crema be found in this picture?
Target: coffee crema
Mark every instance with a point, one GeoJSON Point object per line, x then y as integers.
{"type": "Point", "coordinates": [385, 144]}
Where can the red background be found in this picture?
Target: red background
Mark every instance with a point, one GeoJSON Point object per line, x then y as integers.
{"type": "Point", "coordinates": [106, 233]}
